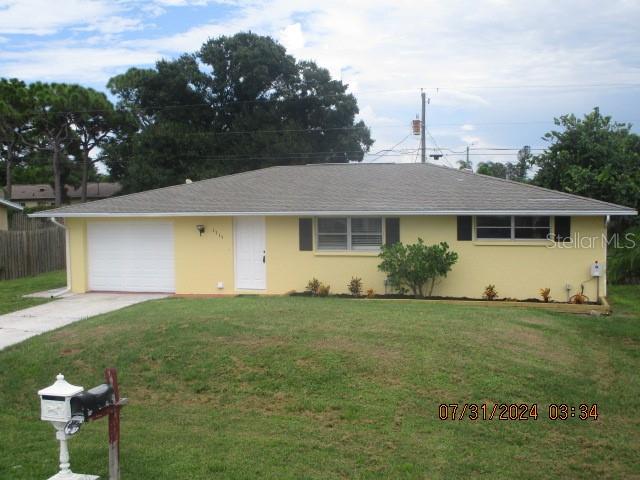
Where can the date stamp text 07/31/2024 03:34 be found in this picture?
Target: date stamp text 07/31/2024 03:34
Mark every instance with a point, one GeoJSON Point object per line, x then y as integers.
{"type": "Point", "coordinates": [516, 411]}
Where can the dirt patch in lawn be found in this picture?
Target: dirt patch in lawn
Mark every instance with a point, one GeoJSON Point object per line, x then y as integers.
{"type": "Point", "coordinates": [342, 344]}
{"type": "Point", "coordinates": [535, 320]}
{"type": "Point", "coordinates": [523, 341]}
{"type": "Point", "coordinates": [535, 342]}
{"type": "Point", "coordinates": [253, 342]}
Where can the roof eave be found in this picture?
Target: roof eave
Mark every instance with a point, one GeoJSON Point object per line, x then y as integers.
{"type": "Point", "coordinates": [52, 213]}
{"type": "Point", "coordinates": [10, 204]}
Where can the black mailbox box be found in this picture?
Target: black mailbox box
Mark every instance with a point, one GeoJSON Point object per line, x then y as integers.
{"type": "Point", "coordinates": [90, 401]}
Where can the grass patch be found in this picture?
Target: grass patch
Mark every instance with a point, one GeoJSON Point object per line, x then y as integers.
{"type": "Point", "coordinates": [11, 291]}
{"type": "Point", "coordinates": [284, 388]}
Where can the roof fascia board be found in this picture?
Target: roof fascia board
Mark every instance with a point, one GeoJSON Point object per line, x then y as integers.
{"type": "Point", "coordinates": [338, 213]}
{"type": "Point", "coordinates": [11, 204]}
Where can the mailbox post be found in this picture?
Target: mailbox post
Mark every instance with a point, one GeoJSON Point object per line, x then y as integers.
{"type": "Point", "coordinates": [68, 406]}
{"type": "Point", "coordinates": [55, 407]}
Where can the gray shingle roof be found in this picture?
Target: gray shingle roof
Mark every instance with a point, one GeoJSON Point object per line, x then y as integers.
{"type": "Point", "coordinates": [44, 191]}
{"type": "Point", "coordinates": [346, 188]}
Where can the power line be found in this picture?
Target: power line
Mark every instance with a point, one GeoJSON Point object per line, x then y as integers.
{"type": "Point", "coordinates": [514, 87]}
{"type": "Point", "coordinates": [392, 148]}
{"type": "Point", "coordinates": [212, 104]}
{"type": "Point", "coordinates": [346, 93]}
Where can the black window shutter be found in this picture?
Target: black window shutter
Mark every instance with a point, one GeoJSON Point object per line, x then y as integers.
{"type": "Point", "coordinates": [305, 231]}
{"type": "Point", "coordinates": [465, 230]}
{"type": "Point", "coordinates": [563, 229]}
{"type": "Point", "coordinates": [392, 230]}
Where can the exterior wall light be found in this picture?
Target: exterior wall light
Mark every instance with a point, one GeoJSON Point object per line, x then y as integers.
{"type": "Point", "coordinates": [200, 229]}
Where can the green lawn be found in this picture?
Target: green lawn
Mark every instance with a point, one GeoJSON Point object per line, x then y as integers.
{"type": "Point", "coordinates": [288, 388]}
{"type": "Point", "coordinates": [11, 291]}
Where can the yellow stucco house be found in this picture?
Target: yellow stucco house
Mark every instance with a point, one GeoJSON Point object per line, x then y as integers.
{"type": "Point", "coordinates": [269, 231]}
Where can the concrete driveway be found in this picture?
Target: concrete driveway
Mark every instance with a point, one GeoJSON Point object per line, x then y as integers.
{"type": "Point", "coordinates": [18, 326]}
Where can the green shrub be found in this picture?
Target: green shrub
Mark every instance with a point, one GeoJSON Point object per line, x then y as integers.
{"type": "Point", "coordinates": [355, 287]}
{"type": "Point", "coordinates": [417, 265]}
{"type": "Point", "coordinates": [545, 293]}
{"type": "Point", "coordinates": [490, 292]}
{"type": "Point", "coordinates": [579, 298]}
{"type": "Point", "coordinates": [313, 287]}
{"type": "Point", "coordinates": [624, 261]}
{"type": "Point", "coordinates": [323, 291]}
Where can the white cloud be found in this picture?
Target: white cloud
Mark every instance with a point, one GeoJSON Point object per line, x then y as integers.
{"type": "Point", "coordinates": [73, 64]}
{"type": "Point", "coordinates": [43, 17]}
{"type": "Point", "coordinates": [292, 38]}
{"type": "Point", "coordinates": [114, 24]}
{"type": "Point", "coordinates": [386, 51]}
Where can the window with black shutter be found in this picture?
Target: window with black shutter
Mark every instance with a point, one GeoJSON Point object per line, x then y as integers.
{"type": "Point", "coordinates": [305, 231]}
{"type": "Point", "coordinates": [392, 230]}
{"type": "Point", "coordinates": [563, 229]}
{"type": "Point", "coordinates": [465, 228]}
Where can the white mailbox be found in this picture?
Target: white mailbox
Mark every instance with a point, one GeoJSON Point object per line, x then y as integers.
{"type": "Point", "coordinates": [595, 269]}
{"type": "Point", "coordinates": [55, 407]}
{"type": "Point", "coordinates": [55, 400]}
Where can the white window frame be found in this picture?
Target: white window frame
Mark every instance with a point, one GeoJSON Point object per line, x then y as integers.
{"type": "Point", "coordinates": [349, 233]}
{"type": "Point", "coordinates": [512, 236]}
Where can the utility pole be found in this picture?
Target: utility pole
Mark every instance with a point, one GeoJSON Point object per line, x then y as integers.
{"type": "Point", "coordinates": [422, 128]}
{"type": "Point", "coordinates": [467, 155]}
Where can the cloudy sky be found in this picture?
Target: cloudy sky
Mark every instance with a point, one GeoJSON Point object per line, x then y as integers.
{"type": "Point", "coordinates": [496, 71]}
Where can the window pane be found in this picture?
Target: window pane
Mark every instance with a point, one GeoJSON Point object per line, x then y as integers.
{"type": "Point", "coordinates": [534, 233]}
{"type": "Point", "coordinates": [495, 221]}
{"type": "Point", "coordinates": [332, 225]}
{"type": "Point", "coordinates": [532, 221]}
{"type": "Point", "coordinates": [366, 241]}
{"type": "Point", "coordinates": [493, 232]}
{"type": "Point", "coordinates": [332, 242]}
{"type": "Point", "coordinates": [366, 225]}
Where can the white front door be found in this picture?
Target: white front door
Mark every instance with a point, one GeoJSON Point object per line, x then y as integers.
{"type": "Point", "coordinates": [250, 253]}
{"type": "Point", "coordinates": [131, 256]}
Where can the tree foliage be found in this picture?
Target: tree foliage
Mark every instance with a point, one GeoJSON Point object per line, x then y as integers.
{"type": "Point", "coordinates": [493, 169]}
{"type": "Point", "coordinates": [49, 129]}
{"type": "Point", "coordinates": [594, 156]}
{"type": "Point", "coordinates": [416, 266]}
{"type": "Point", "coordinates": [92, 122]}
{"type": "Point", "coordinates": [50, 121]}
{"type": "Point", "coordinates": [623, 263]}
{"type": "Point", "coordinates": [516, 171]}
{"type": "Point", "coordinates": [239, 103]}
{"type": "Point", "coordinates": [15, 103]}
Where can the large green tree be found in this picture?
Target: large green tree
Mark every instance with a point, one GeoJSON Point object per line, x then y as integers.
{"type": "Point", "coordinates": [93, 121]}
{"type": "Point", "coordinates": [239, 103]}
{"type": "Point", "coordinates": [493, 169]}
{"type": "Point", "coordinates": [15, 122]}
{"type": "Point", "coordinates": [51, 121]}
{"type": "Point", "coordinates": [593, 156]}
{"type": "Point", "coordinates": [516, 171]}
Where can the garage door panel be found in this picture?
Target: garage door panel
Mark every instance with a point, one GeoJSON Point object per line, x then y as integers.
{"type": "Point", "coordinates": [131, 256]}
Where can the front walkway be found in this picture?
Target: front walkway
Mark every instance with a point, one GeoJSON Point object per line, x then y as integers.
{"type": "Point", "coordinates": [18, 326]}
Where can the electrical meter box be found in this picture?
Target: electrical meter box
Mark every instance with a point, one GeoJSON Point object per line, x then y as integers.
{"type": "Point", "coordinates": [595, 269]}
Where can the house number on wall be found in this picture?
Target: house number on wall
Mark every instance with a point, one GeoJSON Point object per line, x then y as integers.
{"type": "Point", "coordinates": [217, 233]}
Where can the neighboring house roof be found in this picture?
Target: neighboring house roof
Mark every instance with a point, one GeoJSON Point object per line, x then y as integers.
{"type": "Point", "coordinates": [365, 188]}
{"type": "Point", "coordinates": [9, 204]}
{"type": "Point", "coordinates": [43, 191]}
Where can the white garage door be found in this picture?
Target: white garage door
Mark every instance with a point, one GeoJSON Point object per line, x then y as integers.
{"type": "Point", "coordinates": [131, 256]}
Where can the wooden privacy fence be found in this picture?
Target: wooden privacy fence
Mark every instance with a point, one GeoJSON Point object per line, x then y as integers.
{"type": "Point", "coordinates": [19, 221]}
{"type": "Point", "coordinates": [30, 252]}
